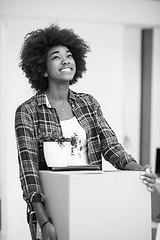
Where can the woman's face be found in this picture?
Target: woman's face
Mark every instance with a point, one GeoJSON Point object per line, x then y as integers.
{"type": "Point", "coordinates": [60, 64]}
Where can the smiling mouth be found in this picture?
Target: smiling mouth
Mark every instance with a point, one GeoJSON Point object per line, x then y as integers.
{"type": "Point", "coordinates": [67, 69]}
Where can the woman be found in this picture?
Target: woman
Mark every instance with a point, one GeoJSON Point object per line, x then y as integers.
{"type": "Point", "coordinates": [53, 59]}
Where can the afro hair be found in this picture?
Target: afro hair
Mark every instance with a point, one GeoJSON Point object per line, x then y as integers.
{"type": "Point", "coordinates": [34, 51]}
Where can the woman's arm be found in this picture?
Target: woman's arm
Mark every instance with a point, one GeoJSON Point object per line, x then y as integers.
{"type": "Point", "coordinates": [47, 228]}
{"type": "Point", "coordinates": [134, 166]}
{"type": "Point", "coordinates": [114, 152]}
{"type": "Point", "coordinates": [27, 147]}
{"type": "Point", "coordinates": [40, 212]}
{"type": "Point", "coordinates": [29, 169]}
{"type": "Point", "coordinates": [111, 148]}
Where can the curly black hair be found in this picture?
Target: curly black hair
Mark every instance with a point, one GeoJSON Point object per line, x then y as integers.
{"type": "Point", "coordinates": [34, 51]}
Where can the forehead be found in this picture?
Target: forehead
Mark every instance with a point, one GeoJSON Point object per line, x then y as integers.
{"type": "Point", "coordinates": [60, 49]}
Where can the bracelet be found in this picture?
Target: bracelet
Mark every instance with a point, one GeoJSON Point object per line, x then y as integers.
{"type": "Point", "coordinates": [44, 224]}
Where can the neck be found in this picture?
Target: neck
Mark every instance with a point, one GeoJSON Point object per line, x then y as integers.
{"type": "Point", "coordinates": [58, 92]}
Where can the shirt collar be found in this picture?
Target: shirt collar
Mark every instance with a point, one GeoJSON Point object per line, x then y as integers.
{"type": "Point", "coordinates": [72, 95]}
{"type": "Point", "coordinates": [43, 99]}
{"type": "Point", "coordinates": [47, 102]}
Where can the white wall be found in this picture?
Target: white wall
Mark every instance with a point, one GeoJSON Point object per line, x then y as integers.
{"type": "Point", "coordinates": [136, 12]}
{"type": "Point", "coordinates": [132, 91]}
{"type": "Point", "coordinates": [102, 24]}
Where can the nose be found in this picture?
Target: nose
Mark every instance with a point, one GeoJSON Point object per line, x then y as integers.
{"type": "Point", "coordinates": [65, 61]}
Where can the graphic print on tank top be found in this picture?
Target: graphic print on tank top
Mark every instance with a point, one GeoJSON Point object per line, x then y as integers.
{"type": "Point", "coordinates": [72, 129]}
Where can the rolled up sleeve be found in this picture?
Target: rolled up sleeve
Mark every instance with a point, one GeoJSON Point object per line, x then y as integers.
{"type": "Point", "coordinates": [27, 146]}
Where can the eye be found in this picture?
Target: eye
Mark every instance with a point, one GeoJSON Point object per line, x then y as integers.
{"type": "Point", "coordinates": [55, 57]}
{"type": "Point", "coordinates": [69, 55]}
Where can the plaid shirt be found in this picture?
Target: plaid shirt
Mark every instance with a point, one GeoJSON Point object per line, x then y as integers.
{"type": "Point", "coordinates": [34, 117]}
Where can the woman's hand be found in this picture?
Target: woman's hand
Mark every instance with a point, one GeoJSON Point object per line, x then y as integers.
{"type": "Point", "coordinates": [49, 232]}
{"type": "Point", "coordinates": [148, 178]}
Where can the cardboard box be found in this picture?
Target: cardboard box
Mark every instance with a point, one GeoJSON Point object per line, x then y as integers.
{"type": "Point", "coordinates": [96, 205]}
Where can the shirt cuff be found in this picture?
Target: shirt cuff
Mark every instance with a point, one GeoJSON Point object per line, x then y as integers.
{"type": "Point", "coordinates": [37, 197]}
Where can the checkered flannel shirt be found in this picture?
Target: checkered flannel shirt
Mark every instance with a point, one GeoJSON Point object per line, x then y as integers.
{"type": "Point", "coordinates": [34, 117]}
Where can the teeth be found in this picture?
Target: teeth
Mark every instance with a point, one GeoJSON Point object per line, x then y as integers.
{"type": "Point", "coordinates": [66, 70]}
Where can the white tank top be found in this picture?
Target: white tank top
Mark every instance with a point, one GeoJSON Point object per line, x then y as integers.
{"type": "Point", "coordinates": [78, 156]}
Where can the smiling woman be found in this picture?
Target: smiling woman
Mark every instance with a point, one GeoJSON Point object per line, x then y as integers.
{"type": "Point", "coordinates": [53, 59]}
{"type": "Point", "coordinates": [35, 52]}
{"type": "Point", "coordinates": [60, 65]}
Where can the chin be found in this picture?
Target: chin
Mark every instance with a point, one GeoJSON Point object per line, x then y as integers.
{"type": "Point", "coordinates": [66, 80]}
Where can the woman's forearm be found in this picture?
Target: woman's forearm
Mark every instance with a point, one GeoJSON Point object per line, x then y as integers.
{"type": "Point", "coordinates": [134, 166]}
{"type": "Point", "coordinates": [40, 212]}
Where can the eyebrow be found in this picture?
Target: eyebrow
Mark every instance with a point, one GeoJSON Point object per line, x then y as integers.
{"type": "Point", "coordinates": [55, 52]}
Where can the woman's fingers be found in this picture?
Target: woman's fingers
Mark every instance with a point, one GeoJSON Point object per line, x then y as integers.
{"type": "Point", "coordinates": [149, 178]}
